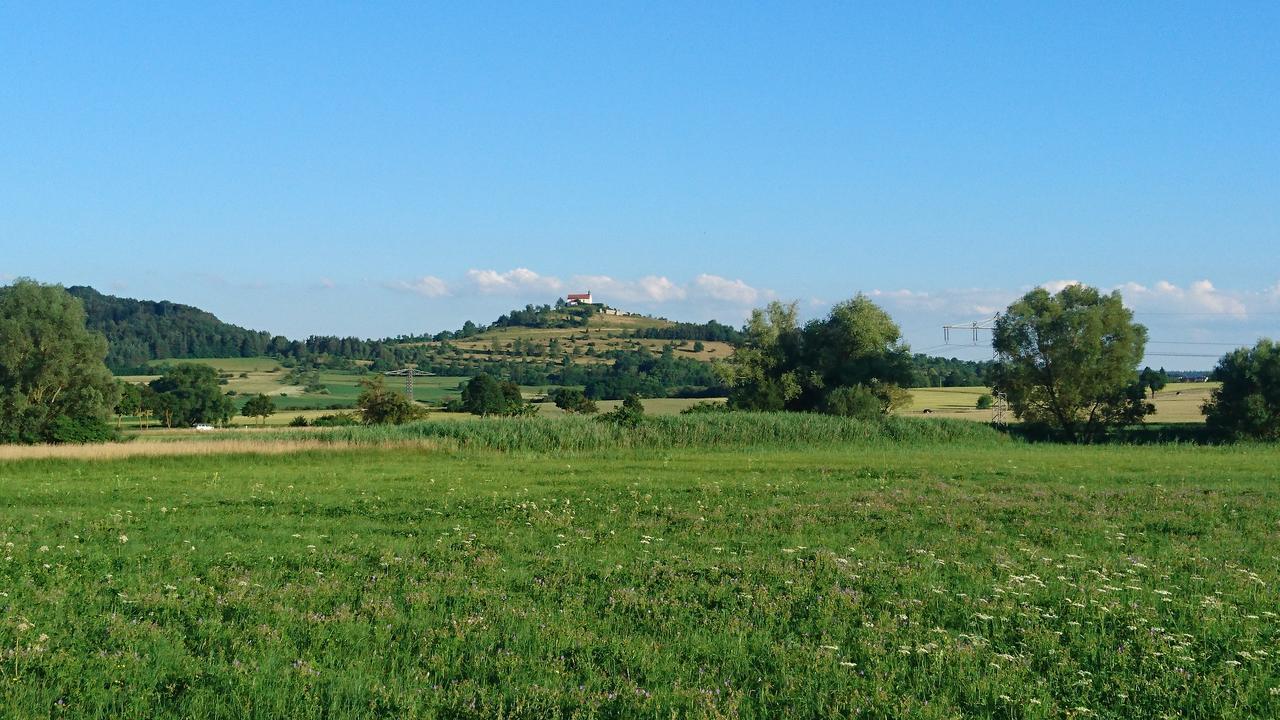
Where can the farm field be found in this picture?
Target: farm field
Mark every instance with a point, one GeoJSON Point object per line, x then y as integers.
{"type": "Point", "coordinates": [265, 375]}
{"type": "Point", "coordinates": [1177, 403]}
{"type": "Point", "coordinates": [908, 578]}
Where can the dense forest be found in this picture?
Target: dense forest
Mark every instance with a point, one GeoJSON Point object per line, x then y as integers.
{"type": "Point", "coordinates": [141, 330]}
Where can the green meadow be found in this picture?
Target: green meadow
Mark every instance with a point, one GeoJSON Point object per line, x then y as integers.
{"type": "Point", "coordinates": [715, 568]}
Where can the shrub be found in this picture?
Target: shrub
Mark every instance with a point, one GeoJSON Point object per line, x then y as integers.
{"type": "Point", "coordinates": [573, 400]}
{"type": "Point", "coordinates": [335, 420]}
{"type": "Point", "coordinates": [857, 401]}
{"type": "Point", "coordinates": [629, 414]}
{"type": "Point", "coordinates": [985, 401]}
{"type": "Point", "coordinates": [66, 429]}
{"type": "Point", "coordinates": [299, 421]}
{"type": "Point", "coordinates": [705, 407]}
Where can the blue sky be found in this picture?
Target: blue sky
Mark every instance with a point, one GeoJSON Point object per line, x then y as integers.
{"type": "Point", "coordinates": [373, 169]}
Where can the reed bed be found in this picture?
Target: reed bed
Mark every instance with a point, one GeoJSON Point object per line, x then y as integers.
{"type": "Point", "coordinates": [578, 434]}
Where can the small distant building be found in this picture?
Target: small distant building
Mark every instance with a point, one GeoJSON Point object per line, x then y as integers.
{"type": "Point", "coordinates": [580, 298]}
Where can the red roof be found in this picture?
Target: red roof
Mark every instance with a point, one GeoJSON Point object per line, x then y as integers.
{"type": "Point", "coordinates": [579, 296]}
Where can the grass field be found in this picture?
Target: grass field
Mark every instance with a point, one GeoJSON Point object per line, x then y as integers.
{"type": "Point", "coordinates": [881, 578]}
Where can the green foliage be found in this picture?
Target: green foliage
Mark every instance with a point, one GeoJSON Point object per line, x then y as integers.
{"type": "Point", "coordinates": [782, 366]}
{"type": "Point", "coordinates": [640, 372]}
{"type": "Point", "coordinates": [188, 394]}
{"type": "Point", "coordinates": [1067, 362]}
{"type": "Point", "coordinates": [379, 405]}
{"type": "Point", "coordinates": [299, 421]}
{"type": "Point", "coordinates": [692, 331]}
{"type": "Point", "coordinates": [129, 399]}
{"type": "Point", "coordinates": [336, 420]}
{"type": "Point", "coordinates": [857, 401]}
{"type": "Point", "coordinates": [573, 400]}
{"type": "Point", "coordinates": [259, 406]}
{"type": "Point", "coordinates": [80, 430]}
{"type": "Point", "coordinates": [932, 371]}
{"type": "Point", "coordinates": [52, 375]}
{"type": "Point", "coordinates": [1153, 380]}
{"type": "Point", "coordinates": [1247, 404]}
{"type": "Point", "coordinates": [629, 414]}
{"type": "Point", "coordinates": [985, 401]}
{"type": "Point", "coordinates": [486, 395]}
{"type": "Point", "coordinates": [703, 408]}
{"type": "Point", "coordinates": [140, 331]}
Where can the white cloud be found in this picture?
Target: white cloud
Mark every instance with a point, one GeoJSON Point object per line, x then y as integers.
{"type": "Point", "coordinates": [1056, 286]}
{"type": "Point", "coordinates": [492, 282]}
{"type": "Point", "coordinates": [1199, 297]}
{"type": "Point", "coordinates": [954, 304]}
{"type": "Point", "coordinates": [648, 289]}
{"type": "Point", "coordinates": [427, 286]}
{"type": "Point", "coordinates": [719, 288]}
{"type": "Point", "coordinates": [659, 289]}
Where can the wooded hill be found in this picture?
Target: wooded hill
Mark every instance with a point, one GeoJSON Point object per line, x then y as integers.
{"type": "Point", "coordinates": [534, 345]}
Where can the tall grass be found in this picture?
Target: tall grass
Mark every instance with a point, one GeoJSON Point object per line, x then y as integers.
{"type": "Point", "coordinates": [716, 430]}
{"type": "Point", "coordinates": [1025, 581]}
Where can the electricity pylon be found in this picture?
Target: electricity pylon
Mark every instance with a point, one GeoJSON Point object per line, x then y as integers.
{"type": "Point", "coordinates": [999, 408]}
{"type": "Point", "coordinates": [408, 372]}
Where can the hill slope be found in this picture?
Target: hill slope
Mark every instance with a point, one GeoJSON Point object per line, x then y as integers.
{"type": "Point", "coordinates": [141, 330]}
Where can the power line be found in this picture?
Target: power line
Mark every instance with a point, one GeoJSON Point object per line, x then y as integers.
{"type": "Point", "coordinates": [1241, 315]}
{"type": "Point", "coordinates": [1192, 342]}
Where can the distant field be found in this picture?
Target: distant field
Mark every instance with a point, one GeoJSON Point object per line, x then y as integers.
{"type": "Point", "coordinates": [1177, 403]}
{"type": "Point", "coordinates": [883, 579]}
{"type": "Point", "coordinates": [266, 376]}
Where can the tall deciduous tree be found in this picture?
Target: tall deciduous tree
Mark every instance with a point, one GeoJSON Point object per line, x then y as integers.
{"type": "Point", "coordinates": [573, 400]}
{"type": "Point", "coordinates": [54, 385]}
{"type": "Point", "coordinates": [1153, 380]}
{"type": "Point", "coordinates": [1247, 404]}
{"type": "Point", "coordinates": [259, 406]}
{"type": "Point", "coordinates": [1068, 362]}
{"type": "Point", "coordinates": [130, 400]}
{"type": "Point", "coordinates": [830, 365]}
{"type": "Point", "coordinates": [189, 393]}
{"type": "Point", "coordinates": [485, 395]}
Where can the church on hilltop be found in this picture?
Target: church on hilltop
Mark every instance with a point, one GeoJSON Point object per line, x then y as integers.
{"type": "Point", "coordinates": [580, 298]}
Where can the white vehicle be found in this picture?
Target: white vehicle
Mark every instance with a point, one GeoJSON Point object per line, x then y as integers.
{"type": "Point", "coordinates": [202, 426]}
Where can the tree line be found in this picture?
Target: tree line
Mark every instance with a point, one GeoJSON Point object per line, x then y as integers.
{"type": "Point", "coordinates": [1066, 363]}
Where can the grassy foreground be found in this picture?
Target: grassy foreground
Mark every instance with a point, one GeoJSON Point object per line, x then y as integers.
{"type": "Point", "coordinates": [857, 578]}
